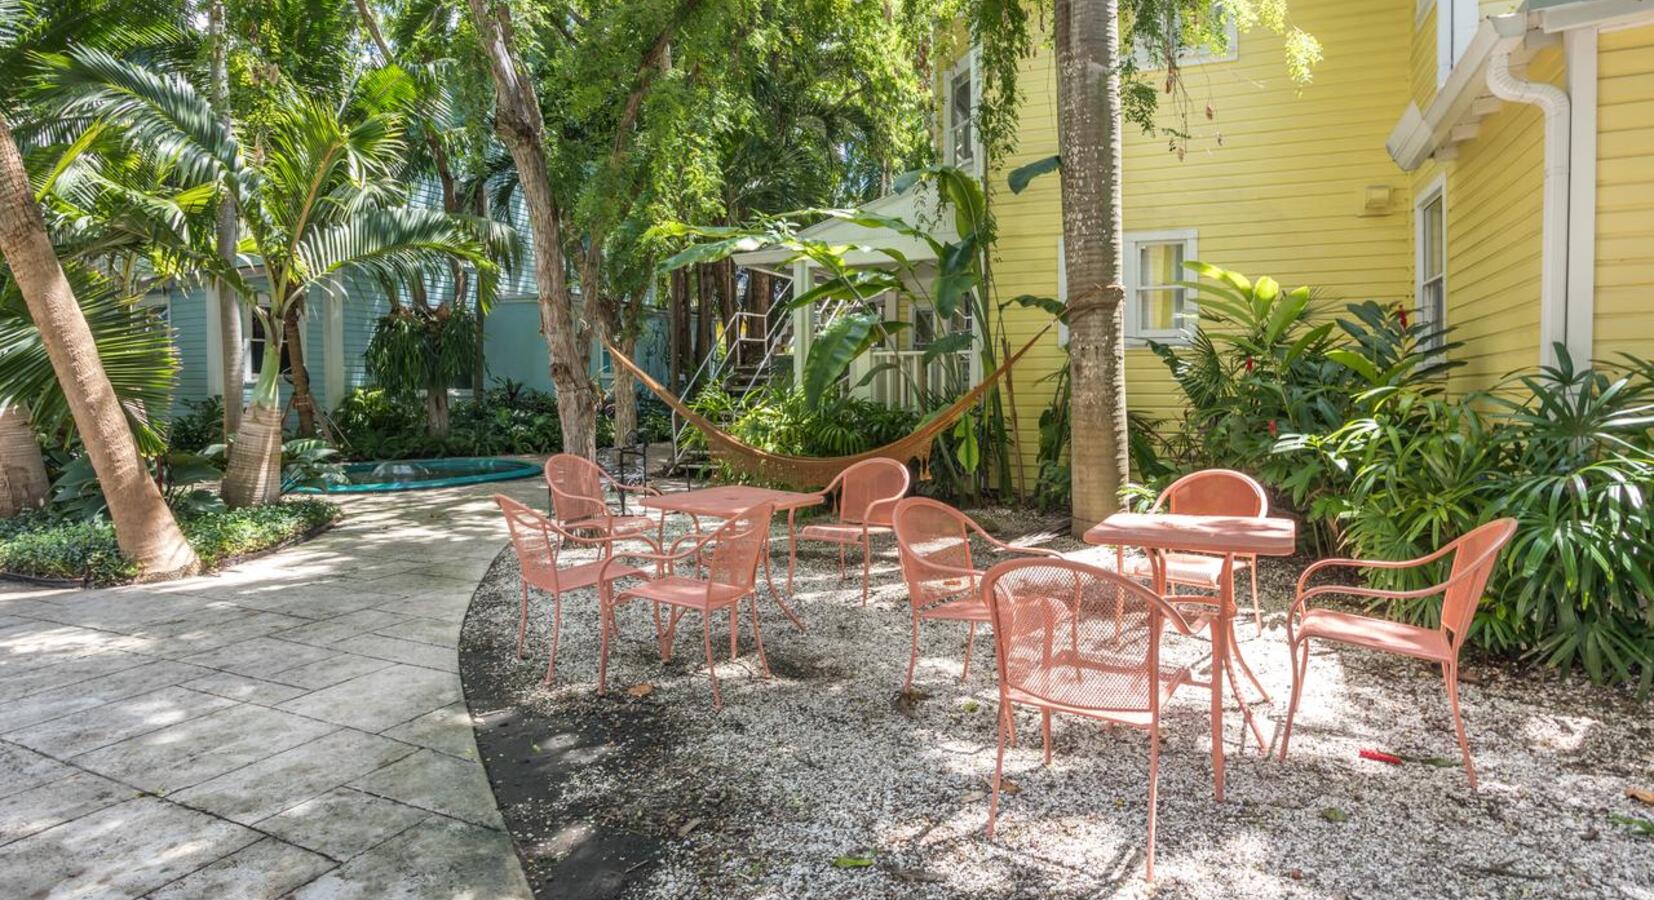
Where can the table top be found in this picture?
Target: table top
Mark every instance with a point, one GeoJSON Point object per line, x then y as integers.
{"type": "Point", "coordinates": [1265, 536]}
{"type": "Point", "coordinates": [727, 500]}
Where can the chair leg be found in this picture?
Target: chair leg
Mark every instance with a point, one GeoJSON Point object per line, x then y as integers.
{"type": "Point", "coordinates": [734, 630]}
{"type": "Point", "coordinates": [556, 631]}
{"type": "Point", "coordinates": [711, 664]}
{"type": "Point", "coordinates": [522, 622]}
{"type": "Point", "coordinates": [1246, 710]}
{"type": "Point", "coordinates": [866, 566]}
{"type": "Point", "coordinates": [999, 766]}
{"type": "Point", "coordinates": [1154, 792]}
{"type": "Point", "coordinates": [1250, 675]}
{"type": "Point", "coordinates": [604, 611]}
{"type": "Point", "coordinates": [1451, 676]}
{"type": "Point", "coordinates": [970, 642]}
{"type": "Point", "coordinates": [912, 657]}
{"type": "Point", "coordinates": [1300, 669]}
{"type": "Point", "coordinates": [1045, 733]}
{"type": "Point", "coordinates": [758, 636]}
{"type": "Point", "coordinates": [841, 563]}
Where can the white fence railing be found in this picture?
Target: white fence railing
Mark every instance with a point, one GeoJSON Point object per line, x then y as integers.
{"type": "Point", "coordinates": [902, 379]}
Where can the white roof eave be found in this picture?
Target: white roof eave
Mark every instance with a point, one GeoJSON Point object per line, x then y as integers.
{"type": "Point", "coordinates": [917, 206]}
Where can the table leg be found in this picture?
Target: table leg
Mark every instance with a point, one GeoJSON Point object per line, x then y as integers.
{"type": "Point", "coordinates": [797, 622]}
{"type": "Point", "coordinates": [792, 548]}
{"type": "Point", "coordinates": [1220, 655]}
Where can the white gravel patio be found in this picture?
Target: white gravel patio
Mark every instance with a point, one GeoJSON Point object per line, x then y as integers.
{"type": "Point", "coordinates": [824, 782]}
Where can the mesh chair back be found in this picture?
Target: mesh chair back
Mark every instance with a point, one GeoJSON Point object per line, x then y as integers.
{"type": "Point", "coordinates": [576, 485]}
{"type": "Point", "coordinates": [865, 484]}
{"type": "Point", "coordinates": [1076, 636]}
{"type": "Point", "coordinates": [531, 539]}
{"type": "Point", "coordinates": [933, 541]}
{"type": "Point", "coordinates": [737, 545]}
{"type": "Point", "coordinates": [1473, 556]}
{"type": "Point", "coordinates": [1214, 492]}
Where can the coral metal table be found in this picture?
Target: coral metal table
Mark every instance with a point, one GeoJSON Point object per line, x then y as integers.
{"type": "Point", "coordinates": [1225, 536]}
{"type": "Point", "coordinates": [729, 500]}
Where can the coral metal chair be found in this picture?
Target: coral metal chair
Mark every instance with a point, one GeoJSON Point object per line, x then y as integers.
{"type": "Point", "coordinates": [730, 556]}
{"type": "Point", "coordinates": [1083, 641]}
{"type": "Point", "coordinates": [537, 541]}
{"type": "Point", "coordinates": [575, 486]}
{"type": "Point", "coordinates": [867, 493]}
{"type": "Point", "coordinates": [1473, 557]}
{"type": "Point", "coordinates": [1210, 492]}
{"type": "Point", "coordinates": [943, 582]}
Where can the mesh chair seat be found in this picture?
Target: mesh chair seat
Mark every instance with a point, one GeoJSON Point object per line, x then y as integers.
{"type": "Point", "coordinates": [1046, 691]}
{"type": "Point", "coordinates": [612, 524]}
{"type": "Point", "coordinates": [1186, 568]}
{"type": "Point", "coordinates": [840, 532]}
{"type": "Point", "coordinates": [1375, 634]}
{"type": "Point", "coordinates": [680, 590]}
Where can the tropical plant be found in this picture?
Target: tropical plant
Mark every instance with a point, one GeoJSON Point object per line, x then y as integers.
{"type": "Point", "coordinates": [144, 527]}
{"type": "Point", "coordinates": [416, 351]}
{"type": "Point", "coordinates": [316, 203]}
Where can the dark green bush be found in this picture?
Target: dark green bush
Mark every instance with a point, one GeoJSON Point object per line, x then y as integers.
{"type": "Point", "coordinates": [199, 428]}
{"type": "Point", "coordinates": [50, 545]}
{"type": "Point", "coordinates": [1353, 428]}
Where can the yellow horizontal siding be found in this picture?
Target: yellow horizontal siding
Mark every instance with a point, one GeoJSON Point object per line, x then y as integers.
{"type": "Point", "coordinates": [1273, 184]}
{"type": "Point", "coordinates": [1624, 311]}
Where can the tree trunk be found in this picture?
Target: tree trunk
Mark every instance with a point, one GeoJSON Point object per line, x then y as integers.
{"type": "Point", "coordinates": [23, 482]}
{"type": "Point", "coordinates": [144, 527]}
{"type": "Point", "coordinates": [1086, 35]}
{"type": "Point", "coordinates": [705, 312]}
{"type": "Point", "coordinates": [479, 366]}
{"type": "Point", "coordinates": [517, 120]}
{"type": "Point", "coordinates": [625, 387]}
{"type": "Point", "coordinates": [677, 329]}
{"type": "Point", "coordinates": [436, 410]}
{"type": "Point", "coordinates": [253, 477]}
{"type": "Point", "coordinates": [227, 230]}
{"type": "Point", "coordinates": [304, 404]}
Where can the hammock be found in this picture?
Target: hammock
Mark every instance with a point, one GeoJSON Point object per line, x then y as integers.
{"type": "Point", "coordinates": [814, 471]}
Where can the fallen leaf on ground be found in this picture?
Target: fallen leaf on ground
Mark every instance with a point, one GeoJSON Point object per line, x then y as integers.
{"type": "Point", "coordinates": [917, 875]}
{"type": "Point", "coordinates": [1334, 814]}
{"type": "Point", "coordinates": [854, 862]}
{"type": "Point", "coordinates": [973, 797]}
{"type": "Point", "coordinates": [691, 825]}
{"type": "Point", "coordinates": [1440, 762]}
{"type": "Point", "coordinates": [1641, 795]}
{"type": "Point", "coordinates": [1640, 826]}
{"type": "Point", "coordinates": [641, 690]}
{"type": "Point", "coordinates": [1007, 786]}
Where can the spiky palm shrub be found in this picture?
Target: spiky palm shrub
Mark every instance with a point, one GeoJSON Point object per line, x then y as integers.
{"type": "Point", "coordinates": [416, 351]}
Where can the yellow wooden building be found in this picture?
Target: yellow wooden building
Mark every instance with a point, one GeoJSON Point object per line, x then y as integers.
{"type": "Point", "coordinates": [1490, 164]}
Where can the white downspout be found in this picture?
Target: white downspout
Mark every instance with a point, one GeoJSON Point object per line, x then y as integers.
{"type": "Point", "coordinates": [1553, 265]}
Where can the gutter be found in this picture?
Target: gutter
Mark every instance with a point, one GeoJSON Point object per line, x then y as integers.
{"type": "Point", "coordinates": [1556, 106]}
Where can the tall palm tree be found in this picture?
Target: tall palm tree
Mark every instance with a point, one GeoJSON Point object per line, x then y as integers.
{"type": "Point", "coordinates": [319, 201]}
{"type": "Point", "coordinates": [1087, 38]}
{"type": "Point", "coordinates": [144, 527]}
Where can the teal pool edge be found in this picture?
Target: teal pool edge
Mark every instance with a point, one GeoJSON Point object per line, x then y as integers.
{"type": "Point", "coordinates": [519, 469]}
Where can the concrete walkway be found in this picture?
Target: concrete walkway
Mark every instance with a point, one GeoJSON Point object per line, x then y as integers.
{"type": "Point", "coordinates": [293, 725]}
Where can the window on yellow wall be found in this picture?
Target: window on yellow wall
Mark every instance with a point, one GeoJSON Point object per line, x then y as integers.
{"type": "Point", "coordinates": [960, 86]}
{"type": "Point", "coordinates": [1158, 306]}
{"type": "Point", "coordinates": [1149, 58]}
{"type": "Point", "coordinates": [1432, 258]}
{"type": "Point", "coordinates": [1456, 23]}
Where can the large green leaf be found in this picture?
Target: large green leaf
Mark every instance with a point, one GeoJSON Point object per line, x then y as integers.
{"type": "Point", "coordinates": [1022, 175]}
{"type": "Point", "coordinates": [840, 343]}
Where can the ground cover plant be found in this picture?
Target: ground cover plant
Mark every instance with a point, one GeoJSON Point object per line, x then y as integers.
{"type": "Point", "coordinates": [57, 546]}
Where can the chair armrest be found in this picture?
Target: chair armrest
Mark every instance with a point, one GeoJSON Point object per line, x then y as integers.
{"type": "Point", "coordinates": [1314, 567]}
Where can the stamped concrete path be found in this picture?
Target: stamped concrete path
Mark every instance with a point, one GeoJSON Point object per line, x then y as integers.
{"type": "Point", "coordinates": [292, 725]}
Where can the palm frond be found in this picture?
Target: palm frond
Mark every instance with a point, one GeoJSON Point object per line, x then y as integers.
{"type": "Point", "coordinates": [390, 244]}
{"type": "Point", "coordinates": [162, 115]}
{"type": "Point", "coordinates": [134, 345]}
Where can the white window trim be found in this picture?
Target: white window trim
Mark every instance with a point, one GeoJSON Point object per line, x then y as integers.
{"type": "Point", "coordinates": [1135, 333]}
{"type": "Point", "coordinates": [969, 62]}
{"type": "Point", "coordinates": [1436, 188]}
{"type": "Point", "coordinates": [1195, 56]}
{"type": "Point", "coordinates": [1456, 24]}
{"type": "Point", "coordinates": [248, 376]}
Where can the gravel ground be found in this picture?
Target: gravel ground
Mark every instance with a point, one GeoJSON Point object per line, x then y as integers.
{"type": "Point", "coordinates": [825, 782]}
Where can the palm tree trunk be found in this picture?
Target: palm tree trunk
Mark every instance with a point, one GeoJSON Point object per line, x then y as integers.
{"type": "Point", "coordinates": [253, 477]}
{"type": "Point", "coordinates": [520, 126]}
{"type": "Point", "coordinates": [147, 533]}
{"type": "Point", "coordinates": [23, 483]}
{"type": "Point", "coordinates": [1086, 34]}
{"type": "Point", "coordinates": [436, 409]}
{"type": "Point", "coordinates": [229, 308]}
{"type": "Point", "coordinates": [304, 403]}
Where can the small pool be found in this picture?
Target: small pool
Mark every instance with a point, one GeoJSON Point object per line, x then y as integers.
{"type": "Point", "coordinates": [419, 474]}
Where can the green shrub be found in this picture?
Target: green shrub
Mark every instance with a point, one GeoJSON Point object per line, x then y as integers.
{"type": "Point", "coordinates": [780, 420]}
{"type": "Point", "coordinates": [199, 428]}
{"type": "Point", "coordinates": [50, 545]}
{"type": "Point", "coordinates": [1348, 421]}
